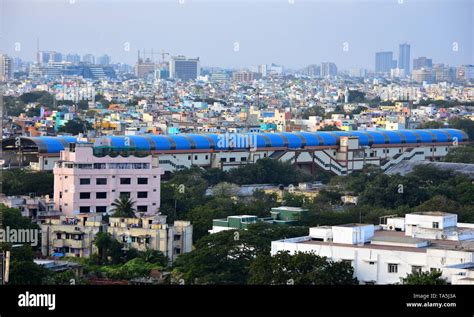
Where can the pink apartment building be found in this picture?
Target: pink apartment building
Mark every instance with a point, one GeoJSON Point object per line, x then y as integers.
{"type": "Point", "coordinates": [85, 182]}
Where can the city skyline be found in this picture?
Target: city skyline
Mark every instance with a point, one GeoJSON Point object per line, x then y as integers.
{"type": "Point", "coordinates": [194, 32]}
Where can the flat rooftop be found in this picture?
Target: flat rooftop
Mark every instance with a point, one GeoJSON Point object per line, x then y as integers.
{"type": "Point", "coordinates": [354, 225]}
{"type": "Point", "coordinates": [432, 213]}
{"type": "Point", "coordinates": [399, 237]}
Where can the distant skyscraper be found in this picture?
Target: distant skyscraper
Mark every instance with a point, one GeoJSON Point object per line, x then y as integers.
{"type": "Point", "coordinates": [328, 69]}
{"type": "Point", "coordinates": [88, 58]}
{"type": "Point", "coordinates": [404, 58]}
{"type": "Point", "coordinates": [312, 70]}
{"type": "Point", "coordinates": [184, 68]}
{"type": "Point", "coordinates": [73, 58]}
{"type": "Point", "coordinates": [465, 73]}
{"type": "Point", "coordinates": [422, 62]}
{"type": "Point", "coordinates": [45, 57]}
{"type": "Point", "coordinates": [384, 62]}
{"type": "Point", "coordinates": [422, 75]}
{"type": "Point", "coordinates": [103, 60]}
{"type": "Point", "coordinates": [6, 67]}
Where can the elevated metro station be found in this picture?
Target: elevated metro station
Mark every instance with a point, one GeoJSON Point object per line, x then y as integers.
{"type": "Point", "coordinates": [339, 152]}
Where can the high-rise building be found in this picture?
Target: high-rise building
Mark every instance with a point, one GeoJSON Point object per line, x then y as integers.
{"type": "Point", "coordinates": [422, 75]}
{"type": "Point", "coordinates": [88, 58]}
{"type": "Point", "coordinates": [404, 58]}
{"type": "Point", "coordinates": [145, 68]}
{"type": "Point", "coordinates": [358, 72]}
{"type": "Point", "coordinates": [384, 62]}
{"type": "Point", "coordinates": [184, 68]}
{"type": "Point", "coordinates": [465, 73]}
{"type": "Point", "coordinates": [443, 73]}
{"type": "Point", "coordinates": [422, 62]}
{"type": "Point", "coordinates": [328, 69]}
{"type": "Point", "coordinates": [244, 75]}
{"type": "Point", "coordinates": [45, 57]}
{"type": "Point", "coordinates": [103, 60]}
{"type": "Point", "coordinates": [73, 58]}
{"type": "Point", "coordinates": [6, 67]}
{"type": "Point", "coordinates": [263, 70]}
{"type": "Point", "coordinates": [312, 70]}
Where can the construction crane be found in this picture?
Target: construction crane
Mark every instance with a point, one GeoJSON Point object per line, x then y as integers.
{"type": "Point", "coordinates": [163, 55]}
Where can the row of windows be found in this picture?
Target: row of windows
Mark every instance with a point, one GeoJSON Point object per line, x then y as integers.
{"type": "Point", "coordinates": [103, 195]}
{"type": "Point", "coordinates": [393, 268]}
{"type": "Point", "coordinates": [123, 181]}
{"type": "Point", "coordinates": [87, 209]}
{"type": "Point", "coordinates": [102, 166]}
{"type": "Point", "coordinates": [232, 159]}
{"type": "Point", "coordinates": [68, 236]}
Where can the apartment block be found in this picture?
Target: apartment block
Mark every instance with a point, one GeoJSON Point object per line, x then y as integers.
{"type": "Point", "coordinates": [89, 180]}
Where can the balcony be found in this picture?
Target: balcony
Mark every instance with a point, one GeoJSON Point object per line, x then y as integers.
{"type": "Point", "coordinates": [61, 243]}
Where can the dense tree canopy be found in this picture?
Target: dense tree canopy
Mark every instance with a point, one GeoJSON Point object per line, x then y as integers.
{"type": "Point", "coordinates": [75, 126]}
{"type": "Point", "coordinates": [23, 182]}
{"type": "Point", "coordinates": [300, 269]}
{"type": "Point", "coordinates": [225, 257]}
{"type": "Point", "coordinates": [424, 278]}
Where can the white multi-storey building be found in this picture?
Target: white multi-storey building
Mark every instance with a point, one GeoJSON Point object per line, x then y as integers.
{"type": "Point", "coordinates": [386, 253]}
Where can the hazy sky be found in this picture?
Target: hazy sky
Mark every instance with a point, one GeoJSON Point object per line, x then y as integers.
{"type": "Point", "coordinates": [295, 35]}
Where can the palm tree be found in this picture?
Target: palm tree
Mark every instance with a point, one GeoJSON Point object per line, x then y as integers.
{"type": "Point", "coordinates": [123, 207]}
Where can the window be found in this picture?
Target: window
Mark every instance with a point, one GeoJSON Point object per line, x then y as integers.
{"type": "Point", "coordinates": [232, 159]}
{"type": "Point", "coordinates": [195, 157]}
{"type": "Point", "coordinates": [142, 194]}
{"type": "Point", "coordinates": [84, 195]}
{"type": "Point", "coordinates": [142, 181]}
{"type": "Point", "coordinates": [435, 225]}
{"type": "Point", "coordinates": [243, 159]}
{"type": "Point", "coordinates": [101, 181]}
{"type": "Point", "coordinates": [84, 209]}
{"type": "Point", "coordinates": [207, 157]}
{"type": "Point", "coordinates": [101, 209]}
{"type": "Point", "coordinates": [189, 157]}
{"type": "Point", "coordinates": [125, 195]}
{"type": "Point", "coordinates": [58, 236]}
{"type": "Point", "coordinates": [177, 237]}
{"type": "Point", "coordinates": [60, 194]}
{"type": "Point", "coordinates": [223, 159]}
{"type": "Point", "coordinates": [416, 269]}
{"type": "Point", "coordinates": [101, 195]}
{"type": "Point", "coordinates": [177, 251]}
{"type": "Point", "coordinates": [85, 181]}
{"type": "Point", "coordinates": [371, 262]}
{"type": "Point", "coordinates": [125, 181]}
{"type": "Point", "coordinates": [142, 208]}
{"type": "Point", "coordinates": [392, 268]}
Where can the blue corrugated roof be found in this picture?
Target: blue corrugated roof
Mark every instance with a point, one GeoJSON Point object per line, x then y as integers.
{"type": "Point", "coordinates": [292, 140]}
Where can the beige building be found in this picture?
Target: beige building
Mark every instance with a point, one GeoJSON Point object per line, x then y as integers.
{"type": "Point", "coordinates": [152, 232]}
{"type": "Point", "coordinates": [74, 236]}
{"type": "Point", "coordinates": [71, 236]}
